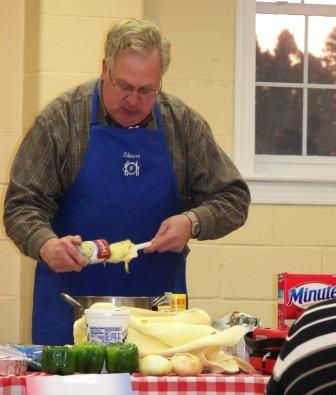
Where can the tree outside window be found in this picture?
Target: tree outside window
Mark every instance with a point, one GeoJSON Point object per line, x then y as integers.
{"type": "Point", "coordinates": [285, 123]}
{"type": "Point", "coordinates": [285, 100]}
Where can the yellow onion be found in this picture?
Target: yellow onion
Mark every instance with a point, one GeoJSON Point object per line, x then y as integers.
{"type": "Point", "coordinates": [186, 364]}
{"type": "Point", "coordinates": [155, 365]}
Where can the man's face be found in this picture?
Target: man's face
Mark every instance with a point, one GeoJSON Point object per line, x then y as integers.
{"type": "Point", "coordinates": [127, 106]}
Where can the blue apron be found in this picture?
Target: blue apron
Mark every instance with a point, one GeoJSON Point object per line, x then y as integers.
{"type": "Point", "coordinates": [125, 188]}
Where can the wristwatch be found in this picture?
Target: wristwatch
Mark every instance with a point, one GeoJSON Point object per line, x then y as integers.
{"type": "Point", "coordinates": [195, 224]}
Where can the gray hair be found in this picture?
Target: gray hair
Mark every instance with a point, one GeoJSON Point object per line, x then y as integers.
{"type": "Point", "coordinates": [139, 37]}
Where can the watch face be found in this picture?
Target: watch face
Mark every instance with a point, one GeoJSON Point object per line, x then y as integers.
{"type": "Point", "coordinates": [196, 229]}
{"type": "Point", "coordinates": [195, 226]}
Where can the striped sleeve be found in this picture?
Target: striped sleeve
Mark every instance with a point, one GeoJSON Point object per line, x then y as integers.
{"type": "Point", "coordinates": [307, 361]}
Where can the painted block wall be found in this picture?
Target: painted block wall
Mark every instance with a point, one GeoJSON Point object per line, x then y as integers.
{"type": "Point", "coordinates": [49, 46]}
{"type": "Point", "coordinates": [57, 44]}
{"type": "Point", "coordinates": [11, 76]}
{"type": "Point", "coordinates": [238, 272]}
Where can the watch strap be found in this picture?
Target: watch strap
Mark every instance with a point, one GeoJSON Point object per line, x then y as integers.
{"type": "Point", "coordinates": [195, 223]}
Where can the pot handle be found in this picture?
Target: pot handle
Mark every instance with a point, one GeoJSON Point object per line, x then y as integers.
{"type": "Point", "coordinates": [69, 299]}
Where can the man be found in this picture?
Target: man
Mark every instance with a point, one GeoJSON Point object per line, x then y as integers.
{"type": "Point", "coordinates": [118, 159]}
{"type": "Point", "coordinates": [306, 364]}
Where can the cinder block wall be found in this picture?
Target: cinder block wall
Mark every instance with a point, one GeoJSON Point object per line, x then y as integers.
{"type": "Point", "coordinates": [47, 46]}
{"type": "Point", "coordinates": [237, 272]}
{"type": "Point", "coordinates": [11, 94]}
{"type": "Point", "coordinates": [56, 44]}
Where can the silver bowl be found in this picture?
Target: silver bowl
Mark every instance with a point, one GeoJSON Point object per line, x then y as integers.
{"type": "Point", "coordinates": [80, 303]}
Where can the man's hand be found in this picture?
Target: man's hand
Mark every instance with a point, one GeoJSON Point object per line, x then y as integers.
{"type": "Point", "coordinates": [62, 255]}
{"type": "Point", "coordinates": [173, 235]}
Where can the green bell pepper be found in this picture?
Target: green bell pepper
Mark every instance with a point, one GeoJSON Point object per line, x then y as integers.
{"type": "Point", "coordinates": [58, 360]}
{"type": "Point", "coordinates": [122, 358]}
{"type": "Point", "coordinates": [90, 357]}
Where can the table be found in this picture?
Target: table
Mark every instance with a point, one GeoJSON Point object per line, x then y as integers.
{"type": "Point", "coordinates": [238, 384]}
{"type": "Point", "coordinates": [202, 384]}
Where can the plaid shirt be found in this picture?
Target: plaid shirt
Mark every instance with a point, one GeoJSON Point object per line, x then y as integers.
{"type": "Point", "coordinates": [53, 150]}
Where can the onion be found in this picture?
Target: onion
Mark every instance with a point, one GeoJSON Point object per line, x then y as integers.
{"type": "Point", "coordinates": [155, 365]}
{"type": "Point", "coordinates": [185, 364]}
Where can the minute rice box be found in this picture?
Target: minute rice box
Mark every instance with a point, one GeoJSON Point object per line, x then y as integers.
{"type": "Point", "coordinates": [296, 292]}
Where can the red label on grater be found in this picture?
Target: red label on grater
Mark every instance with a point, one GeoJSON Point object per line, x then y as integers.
{"type": "Point", "coordinates": [95, 251]}
{"type": "Point", "coordinates": [103, 248]}
{"type": "Point", "coordinates": [296, 292]}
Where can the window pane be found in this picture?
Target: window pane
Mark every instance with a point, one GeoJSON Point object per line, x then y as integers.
{"type": "Point", "coordinates": [321, 122]}
{"type": "Point", "coordinates": [275, 1]}
{"type": "Point", "coordinates": [278, 121]}
{"type": "Point", "coordinates": [322, 50]}
{"type": "Point", "coordinates": [325, 2]}
{"type": "Point", "coordinates": [279, 48]}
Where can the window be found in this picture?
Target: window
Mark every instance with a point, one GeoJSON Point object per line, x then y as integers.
{"type": "Point", "coordinates": [285, 110]}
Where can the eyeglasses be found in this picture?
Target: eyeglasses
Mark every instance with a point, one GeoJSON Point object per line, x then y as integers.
{"type": "Point", "coordinates": [126, 89]}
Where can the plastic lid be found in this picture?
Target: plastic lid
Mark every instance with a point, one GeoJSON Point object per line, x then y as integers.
{"type": "Point", "coordinates": [106, 313]}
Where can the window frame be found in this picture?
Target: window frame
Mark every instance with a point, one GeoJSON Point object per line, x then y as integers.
{"type": "Point", "coordinates": [273, 178]}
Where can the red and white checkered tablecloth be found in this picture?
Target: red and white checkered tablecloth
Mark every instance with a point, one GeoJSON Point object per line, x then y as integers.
{"type": "Point", "coordinates": [203, 384]}
{"type": "Point", "coordinates": [238, 384]}
{"type": "Point", "coordinates": [13, 385]}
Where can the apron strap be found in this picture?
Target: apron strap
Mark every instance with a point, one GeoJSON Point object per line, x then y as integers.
{"type": "Point", "coordinates": [158, 117]}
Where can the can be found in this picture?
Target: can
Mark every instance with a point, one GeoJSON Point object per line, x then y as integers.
{"type": "Point", "coordinates": [178, 302]}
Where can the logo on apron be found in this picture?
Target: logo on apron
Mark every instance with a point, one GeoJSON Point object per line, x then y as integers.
{"type": "Point", "coordinates": [131, 168]}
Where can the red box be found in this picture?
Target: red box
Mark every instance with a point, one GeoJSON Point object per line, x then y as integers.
{"type": "Point", "coordinates": [269, 333]}
{"type": "Point", "coordinates": [296, 292]}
